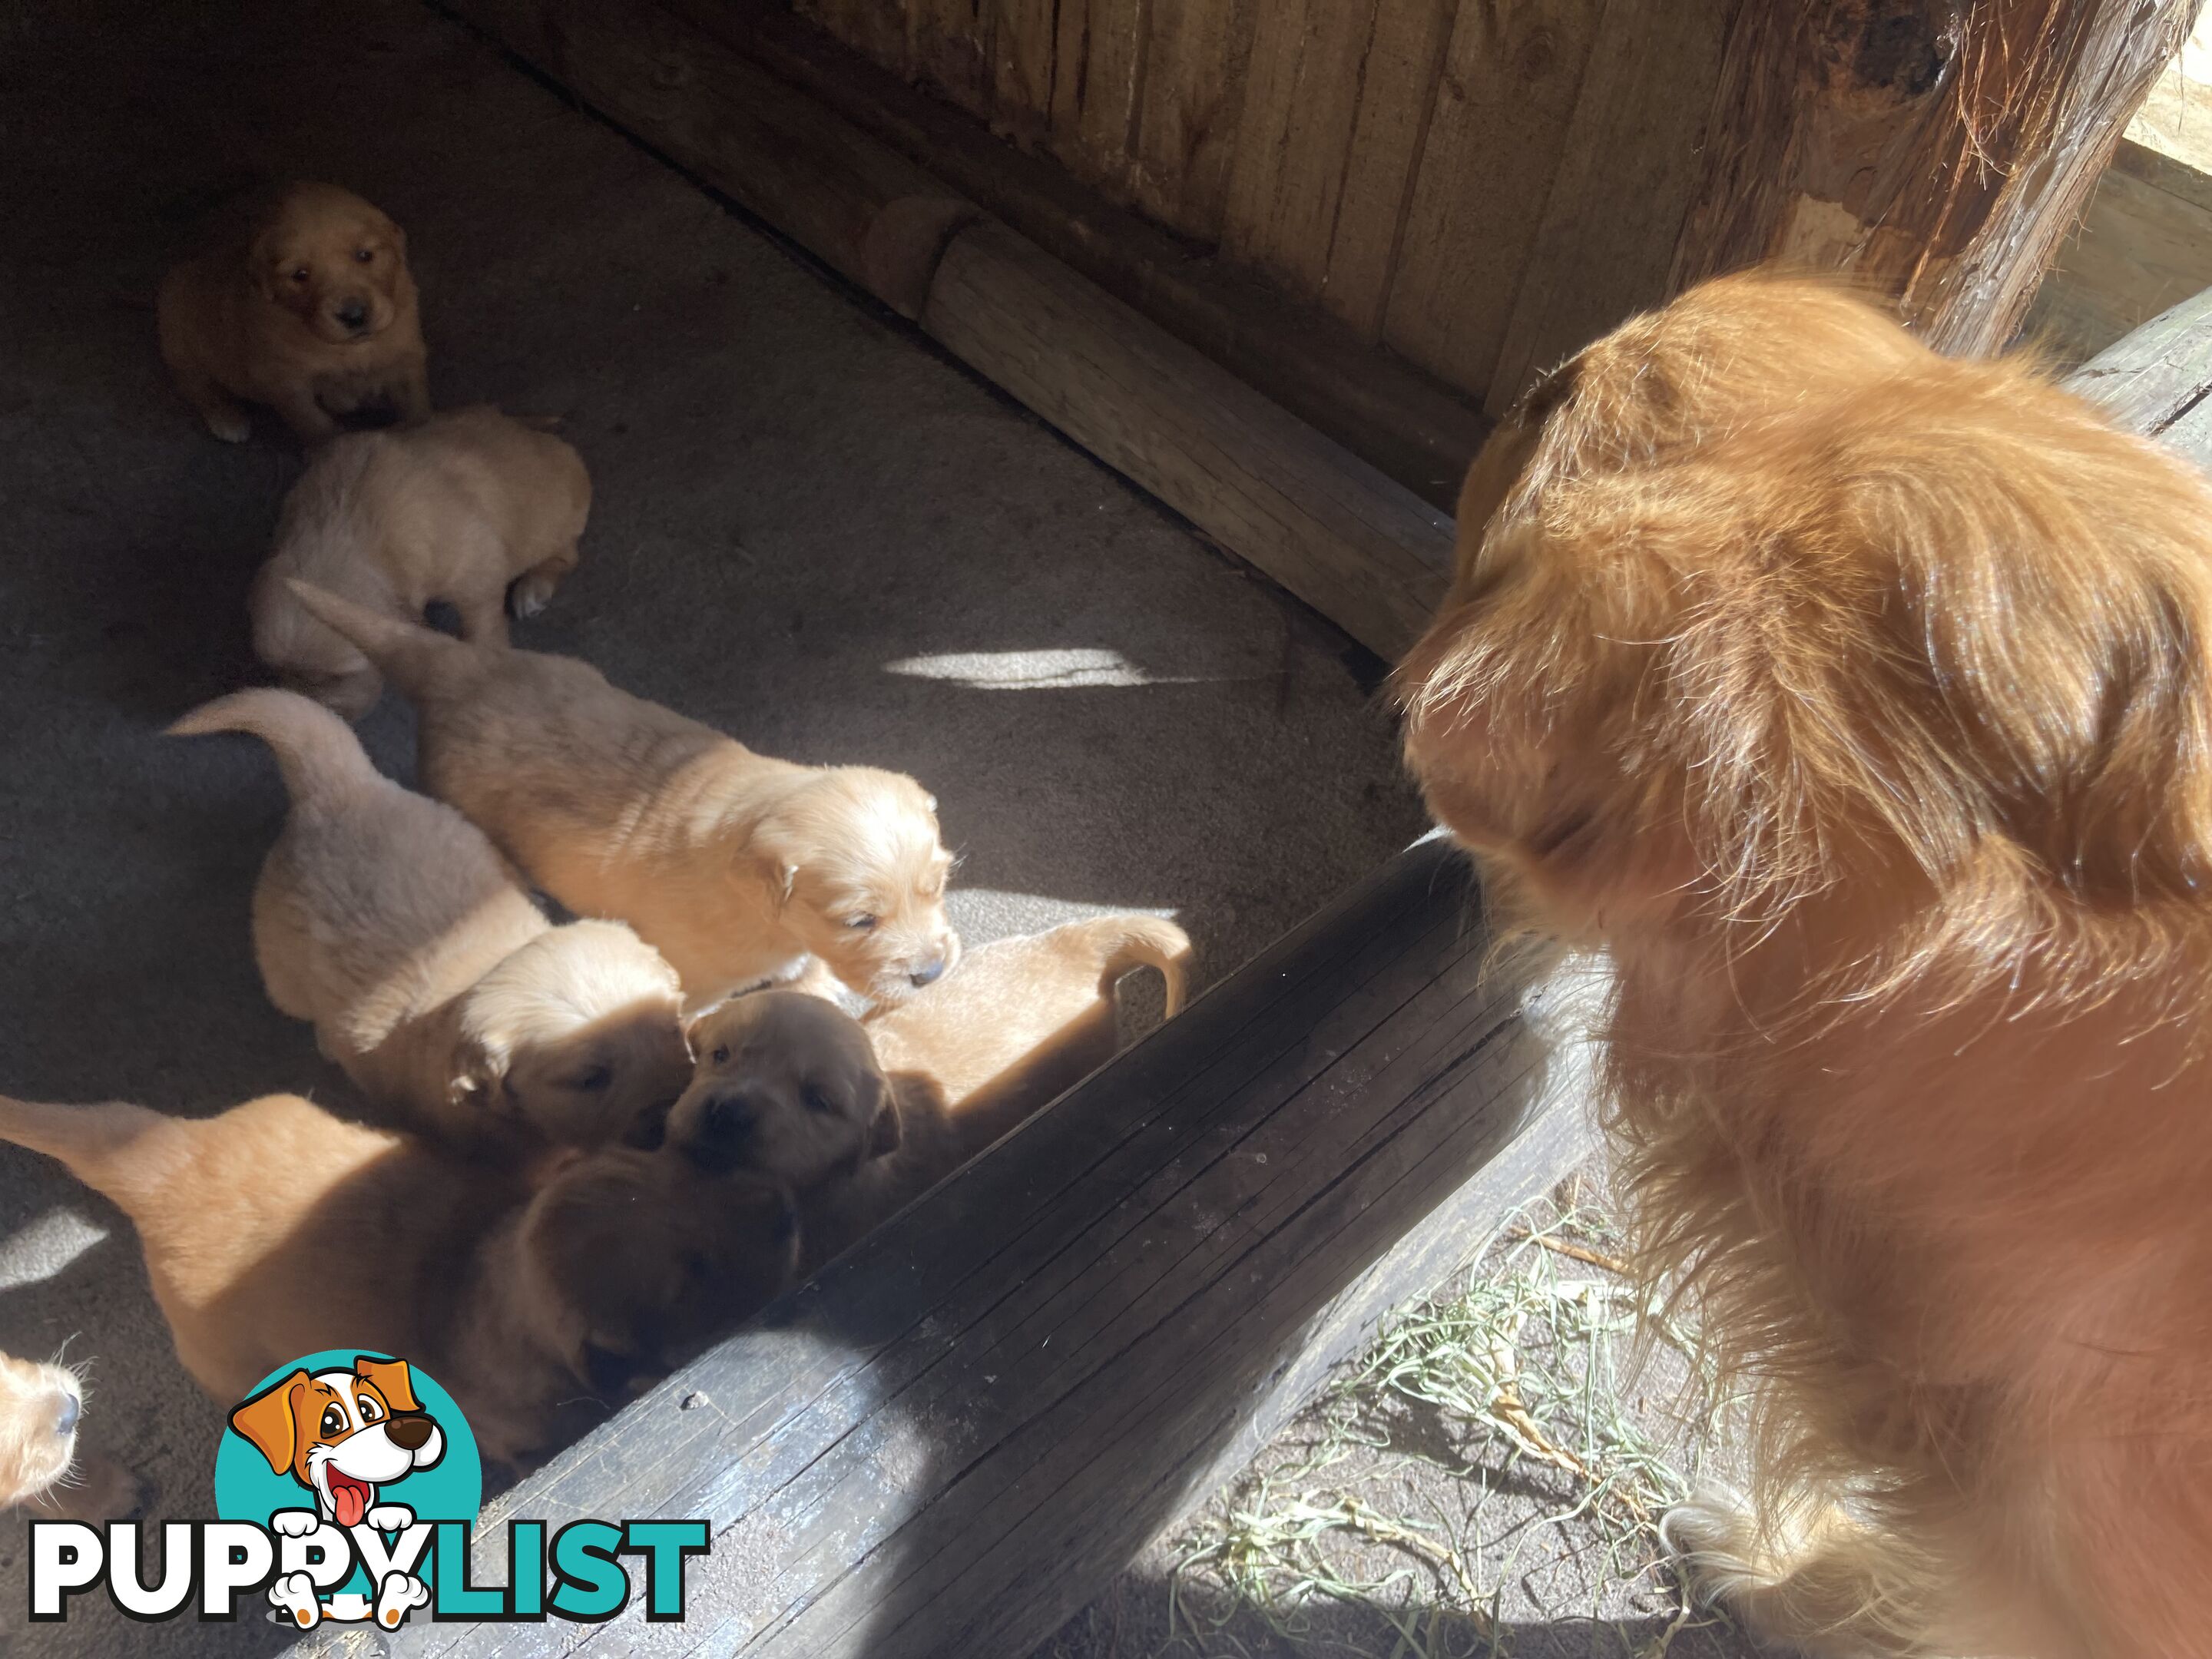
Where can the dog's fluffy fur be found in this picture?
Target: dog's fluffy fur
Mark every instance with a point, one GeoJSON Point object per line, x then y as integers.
{"type": "Point", "coordinates": [39, 1406]}
{"type": "Point", "coordinates": [788, 1087]}
{"type": "Point", "coordinates": [735, 866]}
{"type": "Point", "coordinates": [457, 508]}
{"type": "Point", "coordinates": [300, 300]}
{"type": "Point", "coordinates": [1856, 701]}
{"type": "Point", "coordinates": [389, 921]}
{"type": "Point", "coordinates": [1026, 1020]}
{"type": "Point", "coordinates": [275, 1230]}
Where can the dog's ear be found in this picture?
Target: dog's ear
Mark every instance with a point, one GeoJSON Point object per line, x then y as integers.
{"type": "Point", "coordinates": [269, 1421]}
{"type": "Point", "coordinates": [479, 1081]}
{"type": "Point", "coordinates": [393, 1378]}
{"type": "Point", "coordinates": [884, 1127]}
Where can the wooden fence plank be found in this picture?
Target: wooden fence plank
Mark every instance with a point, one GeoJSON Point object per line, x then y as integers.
{"type": "Point", "coordinates": [1628, 171]}
{"type": "Point", "coordinates": [1302, 98]}
{"type": "Point", "coordinates": [1193, 93]}
{"type": "Point", "coordinates": [2158, 374]}
{"type": "Point", "coordinates": [1494, 140]}
{"type": "Point", "coordinates": [1404, 64]}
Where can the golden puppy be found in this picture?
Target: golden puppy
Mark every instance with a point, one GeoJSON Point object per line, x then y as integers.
{"type": "Point", "coordinates": [459, 509]}
{"type": "Point", "coordinates": [301, 300]}
{"type": "Point", "coordinates": [275, 1230]}
{"type": "Point", "coordinates": [735, 866]}
{"type": "Point", "coordinates": [40, 1408]}
{"type": "Point", "coordinates": [389, 921]}
{"type": "Point", "coordinates": [788, 1087]}
{"type": "Point", "coordinates": [1023, 1020]}
{"type": "Point", "coordinates": [1858, 702]}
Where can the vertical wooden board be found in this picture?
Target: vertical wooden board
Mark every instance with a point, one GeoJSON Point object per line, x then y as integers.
{"type": "Point", "coordinates": [875, 27]}
{"type": "Point", "coordinates": [1405, 63]}
{"type": "Point", "coordinates": [1503, 108]}
{"type": "Point", "coordinates": [1192, 95]}
{"type": "Point", "coordinates": [1302, 94]}
{"type": "Point", "coordinates": [1099, 55]}
{"type": "Point", "coordinates": [948, 50]}
{"type": "Point", "coordinates": [1629, 173]}
{"type": "Point", "coordinates": [1024, 44]}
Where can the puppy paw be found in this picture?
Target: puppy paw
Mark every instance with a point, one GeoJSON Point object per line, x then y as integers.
{"type": "Point", "coordinates": [294, 1523]}
{"type": "Point", "coordinates": [399, 1594]}
{"type": "Point", "coordinates": [530, 594]}
{"type": "Point", "coordinates": [294, 1597]}
{"type": "Point", "coordinates": [232, 427]}
{"type": "Point", "coordinates": [391, 1517]}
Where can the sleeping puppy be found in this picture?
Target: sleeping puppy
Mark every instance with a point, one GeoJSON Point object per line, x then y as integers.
{"type": "Point", "coordinates": [461, 508]}
{"type": "Point", "coordinates": [1025, 1020]}
{"type": "Point", "coordinates": [391, 923]}
{"type": "Point", "coordinates": [1858, 702]}
{"type": "Point", "coordinates": [300, 300]}
{"type": "Point", "coordinates": [275, 1230]}
{"type": "Point", "coordinates": [735, 866]}
{"type": "Point", "coordinates": [788, 1087]}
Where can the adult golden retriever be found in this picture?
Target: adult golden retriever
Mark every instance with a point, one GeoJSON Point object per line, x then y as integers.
{"type": "Point", "coordinates": [1856, 701]}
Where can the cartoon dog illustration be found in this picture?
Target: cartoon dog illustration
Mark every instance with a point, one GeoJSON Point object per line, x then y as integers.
{"type": "Point", "coordinates": [341, 1435]}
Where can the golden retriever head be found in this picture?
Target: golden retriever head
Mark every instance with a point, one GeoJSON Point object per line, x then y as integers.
{"type": "Point", "coordinates": [578, 1036]}
{"type": "Point", "coordinates": [1773, 607]}
{"type": "Point", "coordinates": [851, 859]}
{"type": "Point", "coordinates": [39, 1405]}
{"type": "Point", "coordinates": [640, 1260]}
{"type": "Point", "coordinates": [788, 1085]}
{"type": "Point", "coordinates": [328, 260]}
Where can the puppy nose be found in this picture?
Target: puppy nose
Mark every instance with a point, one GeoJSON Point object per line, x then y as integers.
{"type": "Point", "coordinates": [407, 1433]}
{"type": "Point", "coordinates": [929, 972]}
{"type": "Point", "coordinates": [65, 1417]}
{"type": "Point", "coordinates": [726, 1129]}
{"type": "Point", "coordinates": [353, 313]}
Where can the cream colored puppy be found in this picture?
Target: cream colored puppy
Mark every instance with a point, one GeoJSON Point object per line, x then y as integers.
{"type": "Point", "coordinates": [735, 867]}
{"type": "Point", "coordinates": [390, 922]}
{"type": "Point", "coordinates": [275, 1230]}
{"type": "Point", "coordinates": [459, 509]}
{"type": "Point", "coordinates": [1026, 1019]}
{"type": "Point", "coordinates": [300, 300]}
{"type": "Point", "coordinates": [788, 1087]}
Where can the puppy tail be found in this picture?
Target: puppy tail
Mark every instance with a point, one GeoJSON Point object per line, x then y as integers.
{"type": "Point", "coordinates": [421, 661]}
{"type": "Point", "coordinates": [316, 751]}
{"type": "Point", "coordinates": [1137, 941]}
{"type": "Point", "coordinates": [101, 1146]}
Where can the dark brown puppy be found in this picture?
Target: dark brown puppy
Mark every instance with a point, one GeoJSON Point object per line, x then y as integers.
{"type": "Point", "coordinates": [300, 300]}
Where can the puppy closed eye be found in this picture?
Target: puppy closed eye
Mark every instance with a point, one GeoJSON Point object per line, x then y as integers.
{"type": "Point", "coordinates": [863, 924]}
{"type": "Point", "coordinates": [721, 1054]}
{"type": "Point", "coordinates": [817, 1102]}
{"type": "Point", "coordinates": [593, 1079]}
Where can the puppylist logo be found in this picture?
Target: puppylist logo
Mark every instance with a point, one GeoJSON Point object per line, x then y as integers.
{"type": "Point", "coordinates": [347, 1486]}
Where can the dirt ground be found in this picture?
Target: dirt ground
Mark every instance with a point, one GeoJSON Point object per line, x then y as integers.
{"type": "Point", "coordinates": [811, 529]}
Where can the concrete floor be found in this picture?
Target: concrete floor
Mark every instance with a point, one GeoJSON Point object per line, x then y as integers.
{"type": "Point", "coordinates": [811, 530]}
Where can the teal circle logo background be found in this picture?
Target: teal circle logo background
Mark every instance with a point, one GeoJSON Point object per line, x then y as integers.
{"type": "Point", "coordinates": [452, 1489]}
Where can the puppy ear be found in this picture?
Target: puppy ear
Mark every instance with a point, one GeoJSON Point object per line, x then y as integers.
{"type": "Point", "coordinates": [480, 1064]}
{"type": "Point", "coordinates": [393, 1379]}
{"type": "Point", "coordinates": [268, 1421]}
{"type": "Point", "coordinates": [884, 1128]}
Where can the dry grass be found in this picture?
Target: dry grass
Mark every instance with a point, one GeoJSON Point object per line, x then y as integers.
{"type": "Point", "coordinates": [1486, 1479]}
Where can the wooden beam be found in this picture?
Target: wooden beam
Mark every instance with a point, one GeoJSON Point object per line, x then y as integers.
{"type": "Point", "coordinates": [951, 1438]}
{"type": "Point", "coordinates": [1404, 423]}
{"type": "Point", "coordinates": [1941, 149]}
{"type": "Point", "coordinates": [2158, 381]}
{"type": "Point", "coordinates": [1365, 551]}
